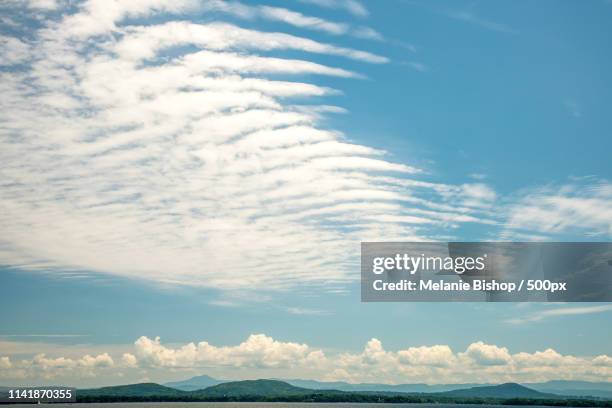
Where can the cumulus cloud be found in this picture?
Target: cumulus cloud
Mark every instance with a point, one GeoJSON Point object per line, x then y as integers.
{"type": "Point", "coordinates": [258, 351]}
{"type": "Point", "coordinates": [480, 362]}
{"type": "Point", "coordinates": [5, 363]}
{"type": "Point", "coordinates": [436, 356]}
{"type": "Point", "coordinates": [487, 354]}
{"type": "Point", "coordinates": [261, 356]}
{"type": "Point", "coordinates": [46, 367]}
{"type": "Point", "coordinates": [129, 360]}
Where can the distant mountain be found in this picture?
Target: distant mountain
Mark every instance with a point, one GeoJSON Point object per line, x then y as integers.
{"type": "Point", "coordinates": [255, 388]}
{"type": "Point", "coordinates": [575, 388]}
{"type": "Point", "coordinates": [373, 387]}
{"type": "Point", "coordinates": [507, 390]}
{"type": "Point", "coordinates": [195, 383]}
{"type": "Point", "coordinates": [131, 390]}
{"type": "Point", "coordinates": [559, 387]}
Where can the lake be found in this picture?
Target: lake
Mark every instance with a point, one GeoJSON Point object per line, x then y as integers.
{"type": "Point", "coordinates": [272, 404]}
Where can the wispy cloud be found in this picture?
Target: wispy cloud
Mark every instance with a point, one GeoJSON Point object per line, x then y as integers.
{"type": "Point", "coordinates": [417, 66]}
{"type": "Point", "coordinates": [352, 6]}
{"type": "Point", "coordinates": [306, 311]}
{"type": "Point", "coordinates": [560, 312]}
{"type": "Point", "coordinates": [582, 206]}
{"type": "Point", "coordinates": [471, 18]}
{"type": "Point", "coordinates": [198, 165]}
{"type": "Point", "coordinates": [467, 15]}
{"type": "Point", "coordinates": [291, 17]}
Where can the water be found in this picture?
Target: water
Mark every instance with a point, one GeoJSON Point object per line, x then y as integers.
{"type": "Point", "coordinates": [271, 405]}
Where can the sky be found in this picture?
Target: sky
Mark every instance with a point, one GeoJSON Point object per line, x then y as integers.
{"type": "Point", "coordinates": [184, 185]}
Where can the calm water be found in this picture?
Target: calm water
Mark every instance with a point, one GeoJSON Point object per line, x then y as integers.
{"type": "Point", "coordinates": [270, 404]}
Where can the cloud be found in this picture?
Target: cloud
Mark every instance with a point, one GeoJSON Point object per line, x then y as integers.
{"type": "Point", "coordinates": [13, 51]}
{"type": "Point", "coordinates": [603, 360]}
{"type": "Point", "coordinates": [300, 20]}
{"type": "Point", "coordinates": [472, 18]}
{"type": "Point", "coordinates": [261, 356]}
{"type": "Point", "coordinates": [417, 66]}
{"type": "Point", "coordinates": [436, 356]}
{"type": "Point", "coordinates": [579, 207]}
{"type": "Point", "coordinates": [129, 360]}
{"type": "Point", "coordinates": [170, 150]}
{"type": "Point", "coordinates": [43, 367]}
{"type": "Point", "coordinates": [367, 33]}
{"type": "Point", "coordinates": [480, 362]}
{"type": "Point", "coordinates": [486, 354]}
{"type": "Point", "coordinates": [38, 5]}
{"type": "Point", "coordinates": [145, 41]}
{"type": "Point", "coordinates": [258, 350]}
{"type": "Point", "coordinates": [300, 311]}
{"type": "Point", "coordinates": [5, 363]}
{"type": "Point", "coordinates": [560, 312]}
{"type": "Point", "coordinates": [352, 6]}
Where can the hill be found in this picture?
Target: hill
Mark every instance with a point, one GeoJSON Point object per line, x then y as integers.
{"type": "Point", "coordinates": [254, 388]}
{"type": "Point", "coordinates": [507, 390]}
{"type": "Point", "coordinates": [268, 391]}
{"type": "Point", "coordinates": [575, 388]}
{"type": "Point", "coordinates": [195, 383]}
{"type": "Point", "coordinates": [559, 387]}
{"type": "Point", "coordinates": [131, 390]}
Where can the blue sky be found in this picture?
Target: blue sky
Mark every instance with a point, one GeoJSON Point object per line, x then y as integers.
{"type": "Point", "coordinates": [205, 171]}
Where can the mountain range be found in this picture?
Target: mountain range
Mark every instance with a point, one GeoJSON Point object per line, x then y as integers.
{"type": "Point", "coordinates": [280, 390]}
{"type": "Point", "coordinates": [565, 388]}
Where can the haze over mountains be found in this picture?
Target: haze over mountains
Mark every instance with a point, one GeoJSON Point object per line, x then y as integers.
{"type": "Point", "coordinates": [280, 390]}
{"type": "Point", "coordinates": [564, 388]}
{"type": "Point", "coordinates": [559, 387]}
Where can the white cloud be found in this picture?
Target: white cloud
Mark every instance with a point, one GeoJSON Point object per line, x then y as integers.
{"type": "Point", "coordinates": [301, 311]}
{"type": "Point", "coordinates": [579, 207]}
{"type": "Point", "coordinates": [417, 66]}
{"type": "Point", "coordinates": [352, 6]}
{"type": "Point", "coordinates": [487, 354]}
{"type": "Point", "coordinates": [13, 51]}
{"type": "Point", "coordinates": [300, 20]}
{"type": "Point", "coordinates": [170, 151]}
{"type": "Point", "coordinates": [129, 360]}
{"type": "Point", "coordinates": [367, 33]}
{"type": "Point", "coordinates": [5, 363]}
{"type": "Point", "coordinates": [261, 356]}
{"type": "Point", "coordinates": [258, 351]}
{"type": "Point", "coordinates": [44, 367]}
{"type": "Point", "coordinates": [560, 312]}
{"type": "Point", "coordinates": [436, 356]}
{"type": "Point", "coordinates": [38, 5]}
{"type": "Point", "coordinates": [471, 18]}
{"type": "Point", "coordinates": [603, 360]}
{"type": "Point", "coordinates": [143, 42]}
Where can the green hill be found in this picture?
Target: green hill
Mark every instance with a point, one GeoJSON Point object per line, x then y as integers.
{"type": "Point", "coordinates": [279, 391]}
{"type": "Point", "coordinates": [507, 390]}
{"type": "Point", "coordinates": [254, 388]}
{"type": "Point", "coordinates": [132, 390]}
